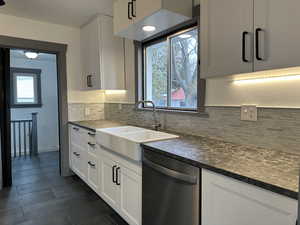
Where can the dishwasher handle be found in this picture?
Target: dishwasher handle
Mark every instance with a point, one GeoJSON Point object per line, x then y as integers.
{"type": "Point", "coordinates": [171, 173]}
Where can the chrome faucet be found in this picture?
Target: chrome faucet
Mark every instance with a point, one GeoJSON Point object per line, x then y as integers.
{"type": "Point", "coordinates": [156, 124]}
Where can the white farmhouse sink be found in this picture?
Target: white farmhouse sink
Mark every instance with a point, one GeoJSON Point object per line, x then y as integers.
{"type": "Point", "coordinates": [126, 140]}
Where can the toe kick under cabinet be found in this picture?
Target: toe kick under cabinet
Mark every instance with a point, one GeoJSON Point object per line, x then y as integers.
{"type": "Point", "coordinates": [115, 179]}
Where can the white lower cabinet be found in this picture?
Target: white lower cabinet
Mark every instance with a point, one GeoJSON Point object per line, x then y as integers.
{"type": "Point", "coordinates": [130, 196]}
{"type": "Point", "coordinates": [93, 171]}
{"type": "Point", "coordinates": [115, 179]}
{"type": "Point", "coordinates": [226, 201]}
{"type": "Point", "coordinates": [110, 190]}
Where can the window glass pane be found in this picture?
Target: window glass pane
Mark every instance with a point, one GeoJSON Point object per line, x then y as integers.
{"type": "Point", "coordinates": [156, 71]}
{"type": "Point", "coordinates": [25, 89]}
{"type": "Point", "coordinates": [184, 57]}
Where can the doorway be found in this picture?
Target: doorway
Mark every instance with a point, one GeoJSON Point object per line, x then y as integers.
{"type": "Point", "coordinates": [34, 115]}
{"type": "Point", "coordinates": [21, 138]}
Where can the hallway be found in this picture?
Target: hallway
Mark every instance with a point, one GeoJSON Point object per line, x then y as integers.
{"type": "Point", "coordinates": [40, 196]}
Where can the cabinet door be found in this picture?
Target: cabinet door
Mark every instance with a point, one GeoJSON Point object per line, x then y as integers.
{"type": "Point", "coordinates": [145, 8]}
{"type": "Point", "coordinates": [93, 172]}
{"type": "Point", "coordinates": [130, 196]}
{"type": "Point", "coordinates": [112, 57]}
{"type": "Point", "coordinates": [90, 55]}
{"type": "Point", "coordinates": [79, 164]}
{"type": "Point", "coordinates": [226, 27]}
{"type": "Point", "coordinates": [226, 201]}
{"type": "Point", "coordinates": [110, 190]}
{"type": "Point", "coordinates": [277, 25]}
{"type": "Point", "coordinates": [122, 16]}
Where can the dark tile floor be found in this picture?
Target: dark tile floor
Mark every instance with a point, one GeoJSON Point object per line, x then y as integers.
{"type": "Point", "coordinates": [39, 196]}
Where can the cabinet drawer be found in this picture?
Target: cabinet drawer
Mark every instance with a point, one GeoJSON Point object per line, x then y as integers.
{"type": "Point", "coordinates": [93, 172]}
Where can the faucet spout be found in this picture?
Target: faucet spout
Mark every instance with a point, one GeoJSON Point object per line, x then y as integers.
{"type": "Point", "coordinates": [156, 124]}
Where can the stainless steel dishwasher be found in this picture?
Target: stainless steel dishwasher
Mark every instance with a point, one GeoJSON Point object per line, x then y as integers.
{"type": "Point", "coordinates": [170, 191]}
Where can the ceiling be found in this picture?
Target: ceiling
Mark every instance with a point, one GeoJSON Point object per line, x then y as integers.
{"type": "Point", "coordinates": [66, 12]}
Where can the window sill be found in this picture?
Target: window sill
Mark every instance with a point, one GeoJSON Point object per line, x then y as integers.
{"type": "Point", "coordinates": [190, 113]}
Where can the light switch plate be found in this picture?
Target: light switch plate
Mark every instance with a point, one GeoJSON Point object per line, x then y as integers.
{"type": "Point", "coordinates": [249, 112]}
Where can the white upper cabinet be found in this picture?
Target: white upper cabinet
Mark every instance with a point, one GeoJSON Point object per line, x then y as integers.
{"type": "Point", "coordinates": [226, 201]}
{"type": "Point", "coordinates": [102, 55]}
{"type": "Point", "coordinates": [224, 25]}
{"type": "Point", "coordinates": [131, 15]}
{"type": "Point", "coordinates": [242, 36]}
{"type": "Point", "coordinates": [277, 26]}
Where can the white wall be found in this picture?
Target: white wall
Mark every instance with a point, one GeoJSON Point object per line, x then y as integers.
{"type": "Point", "coordinates": [47, 114]}
{"type": "Point", "coordinates": [31, 29]}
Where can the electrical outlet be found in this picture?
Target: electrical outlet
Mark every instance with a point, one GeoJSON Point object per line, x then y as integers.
{"type": "Point", "coordinates": [249, 112]}
{"type": "Point", "coordinates": [87, 111]}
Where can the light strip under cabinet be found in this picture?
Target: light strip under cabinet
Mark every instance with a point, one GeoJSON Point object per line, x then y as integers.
{"type": "Point", "coordinates": [267, 79]}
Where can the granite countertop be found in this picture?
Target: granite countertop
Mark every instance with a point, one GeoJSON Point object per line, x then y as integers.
{"type": "Point", "coordinates": [93, 125]}
{"type": "Point", "coordinates": [266, 168]}
{"type": "Point", "coordinates": [269, 169]}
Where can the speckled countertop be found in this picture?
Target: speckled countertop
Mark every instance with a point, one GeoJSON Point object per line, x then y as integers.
{"type": "Point", "coordinates": [269, 169]}
{"type": "Point", "coordinates": [266, 168]}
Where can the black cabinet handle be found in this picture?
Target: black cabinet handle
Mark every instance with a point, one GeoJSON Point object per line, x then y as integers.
{"type": "Point", "coordinates": [257, 40]}
{"type": "Point", "coordinates": [245, 33]}
{"type": "Point", "coordinates": [117, 176]}
{"type": "Point", "coordinates": [75, 128]}
{"type": "Point", "coordinates": [91, 134]}
{"type": "Point", "coordinates": [91, 144]}
{"type": "Point", "coordinates": [133, 6]}
{"type": "Point", "coordinates": [113, 174]}
{"type": "Point", "coordinates": [129, 9]}
{"type": "Point", "coordinates": [89, 80]}
{"type": "Point", "coordinates": [77, 154]}
{"type": "Point", "coordinates": [92, 164]}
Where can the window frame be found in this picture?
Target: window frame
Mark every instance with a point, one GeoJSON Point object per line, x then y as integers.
{"type": "Point", "coordinates": [167, 36]}
{"type": "Point", "coordinates": [36, 74]}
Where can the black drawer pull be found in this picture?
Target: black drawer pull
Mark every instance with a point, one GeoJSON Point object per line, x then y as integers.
{"type": "Point", "coordinates": [92, 164]}
{"type": "Point", "coordinates": [91, 144]}
{"type": "Point", "coordinates": [91, 134]}
{"type": "Point", "coordinates": [75, 128]}
{"type": "Point", "coordinates": [77, 154]}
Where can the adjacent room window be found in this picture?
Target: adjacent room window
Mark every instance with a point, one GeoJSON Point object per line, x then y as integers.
{"type": "Point", "coordinates": [26, 87]}
{"type": "Point", "coordinates": [171, 71]}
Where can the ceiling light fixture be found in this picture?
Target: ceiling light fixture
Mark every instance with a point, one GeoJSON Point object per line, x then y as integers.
{"type": "Point", "coordinates": [149, 28]}
{"type": "Point", "coordinates": [2, 2]}
{"type": "Point", "coordinates": [31, 55]}
{"type": "Point", "coordinates": [266, 79]}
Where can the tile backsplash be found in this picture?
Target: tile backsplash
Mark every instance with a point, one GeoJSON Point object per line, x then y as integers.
{"type": "Point", "coordinates": [85, 111]}
{"type": "Point", "coordinates": [278, 129]}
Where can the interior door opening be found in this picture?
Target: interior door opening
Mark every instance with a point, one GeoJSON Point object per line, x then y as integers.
{"type": "Point", "coordinates": [34, 116]}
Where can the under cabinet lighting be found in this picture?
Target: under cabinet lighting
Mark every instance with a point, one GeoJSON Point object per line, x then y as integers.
{"type": "Point", "coordinates": [266, 79]}
{"type": "Point", "coordinates": [116, 92]}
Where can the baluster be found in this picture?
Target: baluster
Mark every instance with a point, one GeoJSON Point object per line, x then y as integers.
{"type": "Point", "coordinates": [19, 139]}
{"type": "Point", "coordinates": [15, 141]}
{"type": "Point", "coordinates": [30, 138]}
{"type": "Point", "coordinates": [24, 135]}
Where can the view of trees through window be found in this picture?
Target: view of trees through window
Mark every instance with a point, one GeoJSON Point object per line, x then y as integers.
{"type": "Point", "coordinates": [171, 71]}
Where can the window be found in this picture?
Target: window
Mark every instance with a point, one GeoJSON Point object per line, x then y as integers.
{"type": "Point", "coordinates": [26, 87]}
{"type": "Point", "coordinates": [171, 71]}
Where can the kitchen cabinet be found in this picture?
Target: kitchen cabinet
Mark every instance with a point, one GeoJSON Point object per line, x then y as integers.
{"type": "Point", "coordinates": [110, 190]}
{"type": "Point", "coordinates": [115, 179]}
{"type": "Point", "coordinates": [131, 15]}
{"type": "Point", "coordinates": [102, 55]}
{"type": "Point", "coordinates": [229, 202]}
{"type": "Point", "coordinates": [130, 196]}
{"type": "Point", "coordinates": [248, 36]}
{"type": "Point", "coordinates": [93, 171]}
